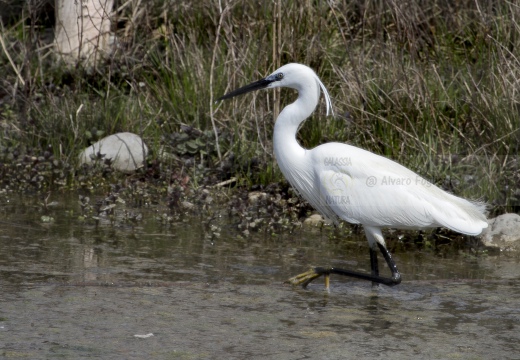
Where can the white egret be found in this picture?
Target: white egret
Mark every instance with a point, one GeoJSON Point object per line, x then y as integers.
{"type": "Point", "coordinates": [348, 183]}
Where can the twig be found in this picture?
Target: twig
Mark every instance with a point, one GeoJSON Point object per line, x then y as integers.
{"type": "Point", "coordinates": [277, 34]}
{"type": "Point", "coordinates": [11, 60]}
{"type": "Point", "coordinates": [221, 19]}
{"type": "Point", "coordinates": [226, 182]}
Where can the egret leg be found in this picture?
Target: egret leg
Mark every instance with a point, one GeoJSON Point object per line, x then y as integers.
{"type": "Point", "coordinates": [374, 265]}
{"type": "Point", "coordinates": [307, 277]}
{"type": "Point", "coordinates": [396, 275]}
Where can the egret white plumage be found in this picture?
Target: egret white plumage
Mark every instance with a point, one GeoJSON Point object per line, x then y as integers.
{"type": "Point", "coordinates": [344, 182]}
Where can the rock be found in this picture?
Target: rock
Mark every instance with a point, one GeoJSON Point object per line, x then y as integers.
{"type": "Point", "coordinates": [314, 220]}
{"type": "Point", "coordinates": [503, 232]}
{"type": "Point", "coordinates": [126, 150]}
{"type": "Point", "coordinates": [255, 196]}
{"type": "Point", "coordinates": [187, 205]}
{"type": "Point", "coordinates": [317, 220]}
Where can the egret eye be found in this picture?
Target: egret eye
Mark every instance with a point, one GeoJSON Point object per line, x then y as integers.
{"type": "Point", "coordinates": [279, 76]}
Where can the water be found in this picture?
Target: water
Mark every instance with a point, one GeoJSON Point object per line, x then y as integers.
{"type": "Point", "coordinates": [70, 289]}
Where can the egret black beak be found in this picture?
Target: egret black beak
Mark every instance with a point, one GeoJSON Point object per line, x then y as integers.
{"type": "Point", "coordinates": [257, 85]}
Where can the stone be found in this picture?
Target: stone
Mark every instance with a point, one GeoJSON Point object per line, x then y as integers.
{"type": "Point", "coordinates": [255, 196]}
{"type": "Point", "coordinates": [126, 150]}
{"type": "Point", "coordinates": [503, 232]}
{"type": "Point", "coordinates": [314, 220]}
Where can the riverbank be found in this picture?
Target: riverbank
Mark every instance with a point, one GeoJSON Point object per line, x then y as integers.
{"type": "Point", "coordinates": [431, 85]}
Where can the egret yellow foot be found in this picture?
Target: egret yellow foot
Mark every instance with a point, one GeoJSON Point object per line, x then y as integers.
{"type": "Point", "coordinates": [307, 277]}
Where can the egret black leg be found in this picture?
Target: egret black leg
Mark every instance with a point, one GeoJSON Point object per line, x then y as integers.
{"type": "Point", "coordinates": [396, 275]}
{"type": "Point", "coordinates": [374, 265]}
{"type": "Point", "coordinates": [305, 278]}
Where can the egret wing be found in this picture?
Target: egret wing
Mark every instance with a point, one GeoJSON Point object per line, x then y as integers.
{"type": "Point", "coordinates": [376, 191]}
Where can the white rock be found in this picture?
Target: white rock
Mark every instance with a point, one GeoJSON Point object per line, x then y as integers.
{"type": "Point", "coordinates": [317, 220]}
{"type": "Point", "coordinates": [126, 150]}
{"type": "Point", "coordinates": [187, 205]}
{"type": "Point", "coordinates": [503, 232]}
{"type": "Point", "coordinates": [255, 196]}
{"type": "Point", "coordinates": [314, 220]}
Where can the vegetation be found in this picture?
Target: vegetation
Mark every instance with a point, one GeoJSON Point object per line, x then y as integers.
{"type": "Point", "coordinates": [434, 85]}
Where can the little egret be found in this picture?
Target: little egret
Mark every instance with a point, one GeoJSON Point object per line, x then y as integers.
{"type": "Point", "coordinates": [348, 183]}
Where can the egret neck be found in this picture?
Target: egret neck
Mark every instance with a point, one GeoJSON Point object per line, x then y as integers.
{"type": "Point", "coordinates": [286, 147]}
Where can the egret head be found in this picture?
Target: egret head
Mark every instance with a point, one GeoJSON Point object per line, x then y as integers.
{"type": "Point", "coordinates": [295, 76]}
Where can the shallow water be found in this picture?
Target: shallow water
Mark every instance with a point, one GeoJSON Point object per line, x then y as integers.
{"type": "Point", "coordinates": [70, 289]}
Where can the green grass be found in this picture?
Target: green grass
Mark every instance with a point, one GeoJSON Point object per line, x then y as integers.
{"type": "Point", "coordinates": [430, 84]}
